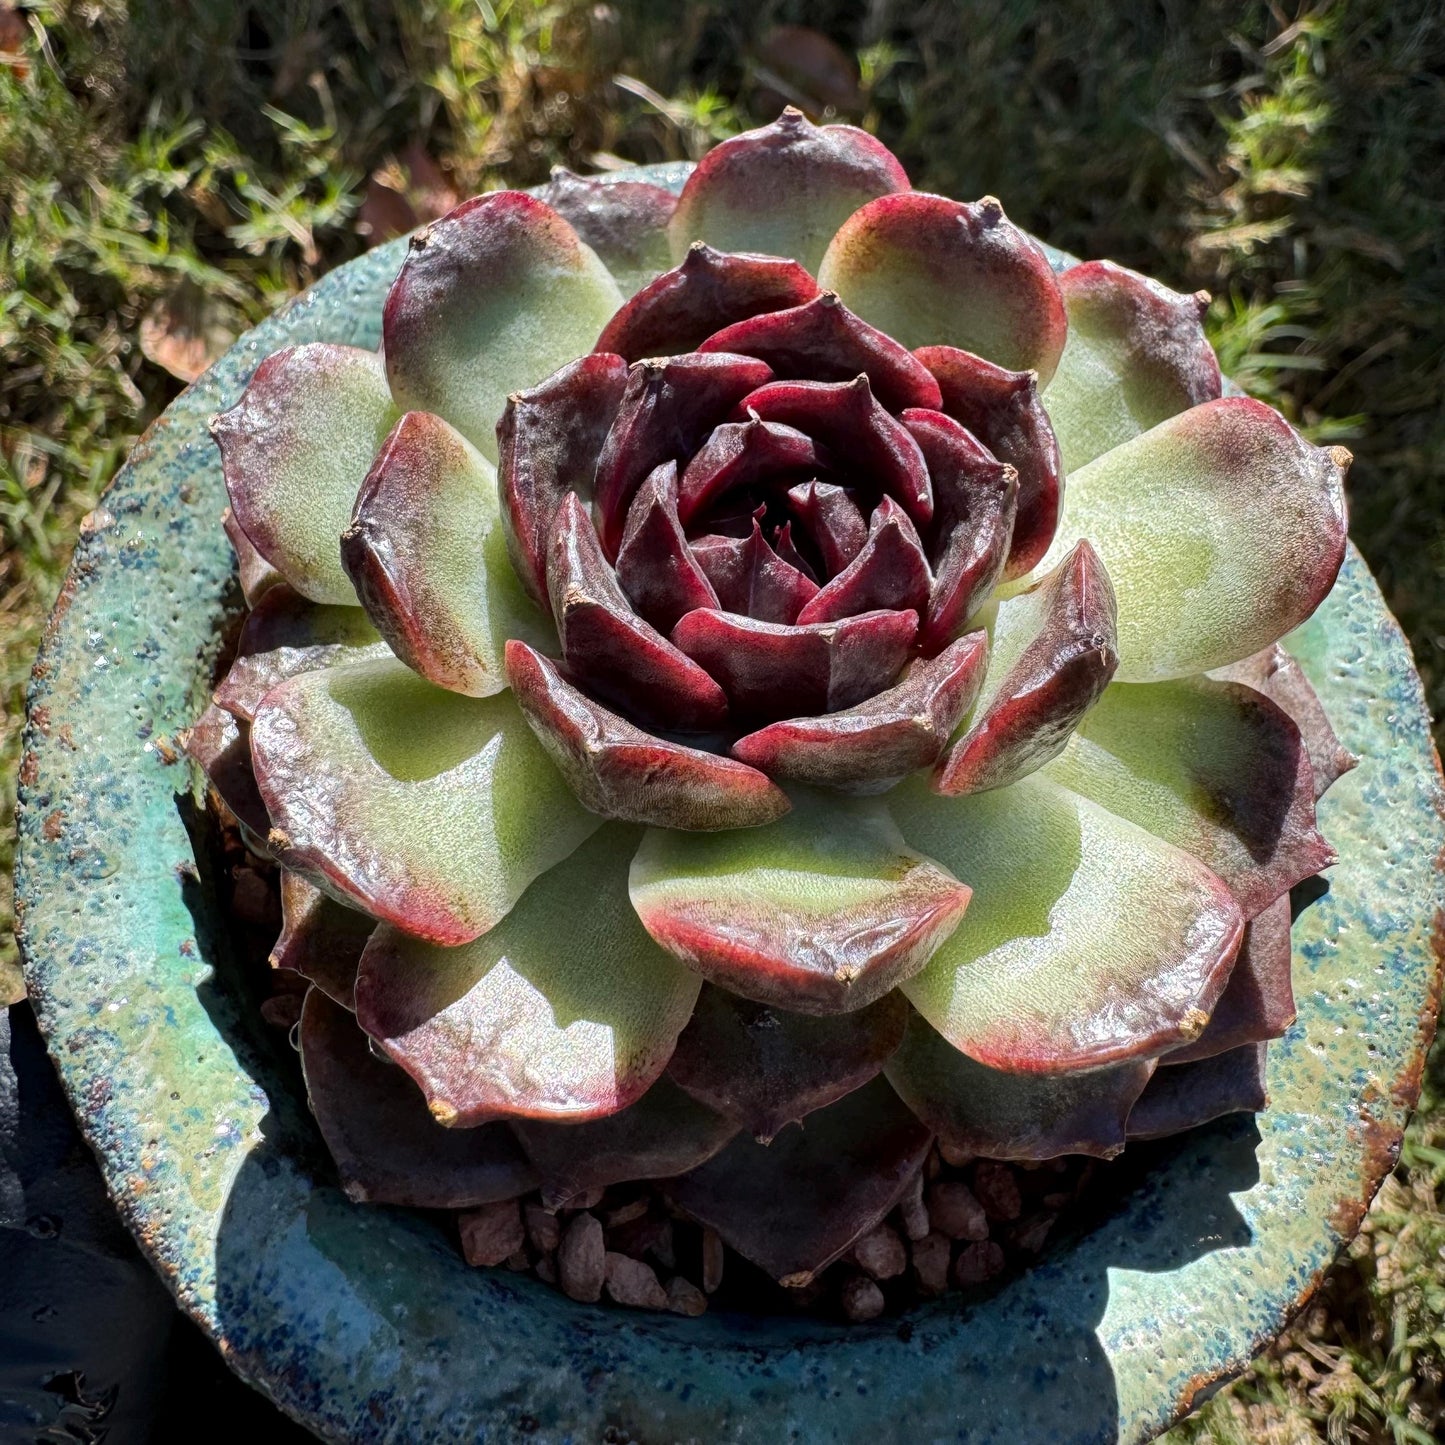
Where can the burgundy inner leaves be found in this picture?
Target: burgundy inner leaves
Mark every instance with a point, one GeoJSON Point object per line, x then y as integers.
{"type": "Point", "coordinates": [777, 471]}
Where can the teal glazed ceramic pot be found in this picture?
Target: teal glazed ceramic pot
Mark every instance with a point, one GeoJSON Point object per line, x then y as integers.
{"type": "Point", "coordinates": [365, 1324]}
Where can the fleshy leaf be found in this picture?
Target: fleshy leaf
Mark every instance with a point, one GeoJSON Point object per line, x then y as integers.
{"type": "Point", "coordinates": [832, 519]}
{"type": "Point", "coordinates": [1136, 355]}
{"type": "Point", "coordinates": [668, 407]}
{"type": "Point", "coordinates": [1053, 656]}
{"type": "Point", "coordinates": [889, 572]}
{"type": "Point", "coordinates": [797, 1204]}
{"type": "Point", "coordinates": [537, 1018]}
{"type": "Point", "coordinates": [710, 290]}
{"type": "Point", "coordinates": [320, 939]}
{"type": "Point", "coordinates": [748, 577]}
{"type": "Point", "coordinates": [930, 271]}
{"type": "Point", "coordinates": [764, 1068]}
{"type": "Point", "coordinates": [493, 297]}
{"type": "Point", "coordinates": [975, 506]}
{"type": "Point", "coordinates": [283, 636]}
{"type": "Point", "coordinates": [428, 556]}
{"type": "Point", "coordinates": [1013, 1116]}
{"type": "Point", "coordinates": [377, 1128]}
{"type": "Point", "coordinates": [1280, 678]}
{"type": "Point", "coordinates": [619, 771]}
{"type": "Point", "coordinates": [548, 442]}
{"type": "Point", "coordinates": [783, 189]}
{"type": "Point", "coordinates": [655, 565]}
{"type": "Point", "coordinates": [607, 645]}
{"type": "Point", "coordinates": [425, 808]}
{"type": "Point", "coordinates": [665, 1132]}
{"type": "Point", "coordinates": [768, 668]}
{"type": "Point", "coordinates": [848, 419]}
{"type": "Point", "coordinates": [868, 748]}
{"type": "Point", "coordinates": [257, 576]}
{"type": "Point", "coordinates": [1003, 410]}
{"type": "Point", "coordinates": [624, 222]}
{"type": "Point", "coordinates": [738, 454]}
{"type": "Point", "coordinates": [1184, 1096]}
{"type": "Point", "coordinates": [821, 912]}
{"type": "Point", "coordinates": [1089, 941]}
{"type": "Point", "coordinates": [823, 340]}
{"type": "Point", "coordinates": [295, 450]}
{"type": "Point", "coordinates": [1214, 768]}
{"type": "Point", "coordinates": [1222, 529]}
{"type": "Point", "coordinates": [1259, 1003]}
{"type": "Point", "coordinates": [218, 744]}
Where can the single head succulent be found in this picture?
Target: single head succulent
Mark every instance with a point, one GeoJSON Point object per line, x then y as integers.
{"type": "Point", "coordinates": [782, 653]}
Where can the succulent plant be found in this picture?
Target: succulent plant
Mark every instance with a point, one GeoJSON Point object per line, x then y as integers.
{"type": "Point", "coordinates": [778, 654]}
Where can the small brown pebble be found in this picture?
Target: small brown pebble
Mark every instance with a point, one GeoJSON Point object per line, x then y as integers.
{"type": "Point", "coordinates": [933, 1165]}
{"type": "Point", "coordinates": [630, 1282]}
{"type": "Point", "coordinates": [912, 1212]}
{"type": "Point", "coordinates": [861, 1298]}
{"type": "Point", "coordinates": [930, 1263]}
{"type": "Point", "coordinates": [977, 1263]}
{"type": "Point", "coordinates": [954, 1158]}
{"type": "Point", "coordinates": [712, 1260]}
{"type": "Point", "coordinates": [253, 900]}
{"type": "Point", "coordinates": [880, 1253]}
{"type": "Point", "coordinates": [1031, 1233]}
{"type": "Point", "coordinates": [684, 1297]}
{"type": "Point", "coordinates": [281, 1010]}
{"type": "Point", "coordinates": [492, 1233]}
{"type": "Point", "coordinates": [955, 1212]}
{"type": "Point", "coordinates": [997, 1189]}
{"type": "Point", "coordinates": [582, 1259]}
{"type": "Point", "coordinates": [544, 1229]}
{"type": "Point", "coordinates": [625, 1213]}
{"type": "Point", "coordinates": [546, 1269]}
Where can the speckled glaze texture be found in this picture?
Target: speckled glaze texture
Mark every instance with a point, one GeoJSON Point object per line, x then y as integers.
{"type": "Point", "coordinates": [365, 1324]}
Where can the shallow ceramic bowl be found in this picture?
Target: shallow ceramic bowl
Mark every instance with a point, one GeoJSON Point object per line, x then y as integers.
{"type": "Point", "coordinates": [365, 1324]}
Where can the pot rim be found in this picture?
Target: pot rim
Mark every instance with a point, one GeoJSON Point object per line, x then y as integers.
{"type": "Point", "coordinates": [364, 1324]}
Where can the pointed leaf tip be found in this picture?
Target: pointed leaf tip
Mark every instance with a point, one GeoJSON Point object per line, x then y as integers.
{"type": "Point", "coordinates": [783, 189]}
{"type": "Point", "coordinates": [928, 270]}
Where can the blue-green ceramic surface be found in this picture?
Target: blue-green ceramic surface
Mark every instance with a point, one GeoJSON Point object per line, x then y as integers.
{"type": "Point", "coordinates": [365, 1324]}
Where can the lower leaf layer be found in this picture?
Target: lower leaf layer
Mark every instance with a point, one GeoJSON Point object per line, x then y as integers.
{"type": "Point", "coordinates": [377, 1128]}
{"type": "Point", "coordinates": [556, 1013]}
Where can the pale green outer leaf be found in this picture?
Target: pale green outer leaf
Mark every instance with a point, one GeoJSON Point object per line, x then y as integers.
{"type": "Point", "coordinates": [428, 555]}
{"type": "Point", "coordinates": [295, 450]}
{"type": "Point", "coordinates": [1212, 767]}
{"type": "Point", "coordinates": [562, 1011]}
{"type": "Point", "coordinates": [1088, 940]}
{"type": "Point", "coordinates": [822, 911]}
{"type": "Point", "coordinates": [494, 298]}
{"type": "Point", "coordinates": [428, 809]}
{"type": "Point", "coordinates": [1135, 356]}
{"type": "Point", "coordinates": [1221, 529]}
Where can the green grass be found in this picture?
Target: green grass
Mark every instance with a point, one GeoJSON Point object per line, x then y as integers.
{"type": "Point", "coordinates": [204, 162]}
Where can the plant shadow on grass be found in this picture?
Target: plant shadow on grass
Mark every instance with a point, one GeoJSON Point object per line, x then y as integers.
{"type": "Point", "coordinates": [345, 1312]}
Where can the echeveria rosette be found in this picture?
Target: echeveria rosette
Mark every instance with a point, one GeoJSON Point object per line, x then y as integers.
{"type": "Point", "coordinates": [684, 695]}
